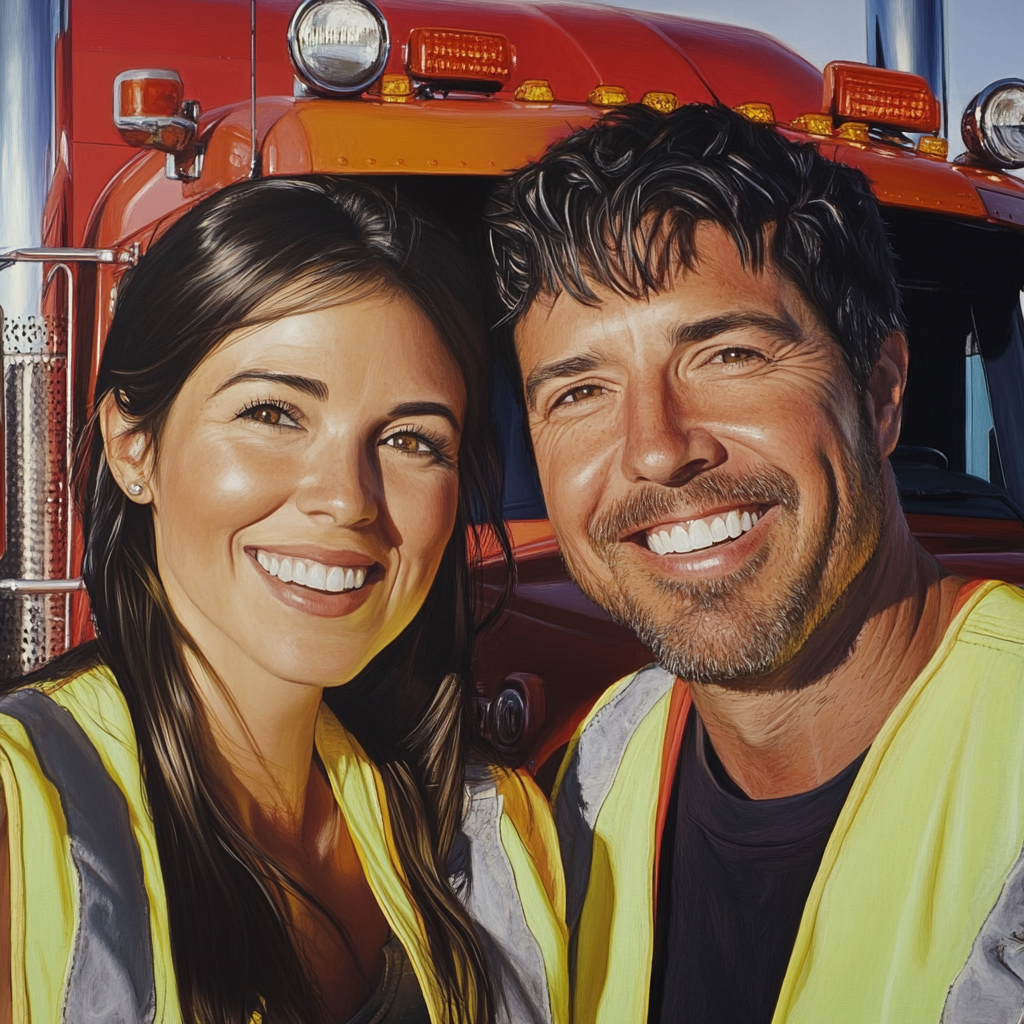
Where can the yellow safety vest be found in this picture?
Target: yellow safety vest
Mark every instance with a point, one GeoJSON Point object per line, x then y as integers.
{"type": "Point", "coordinates": [90, 937]}
{"type": "Point", "coordinates": [917, 910]}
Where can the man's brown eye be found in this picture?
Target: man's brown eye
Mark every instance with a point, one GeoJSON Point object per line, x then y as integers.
{"type": "Point", "coordinates": [735, 355]}
{"type": "Point", "coordinates": [583, 392]}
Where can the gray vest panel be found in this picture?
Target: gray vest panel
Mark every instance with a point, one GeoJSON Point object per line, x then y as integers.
{"type": "Point", "coordinates": [111, 979]}
{"type": "Point", "coordinates": [990, 988]}
{"type": "Point", "coordinates": [482, 877]}
{"type": "Point", "coordinates": [588, 780]}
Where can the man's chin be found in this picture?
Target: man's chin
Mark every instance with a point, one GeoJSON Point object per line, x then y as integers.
{"type": "Point", "coordinates": [733, 652]}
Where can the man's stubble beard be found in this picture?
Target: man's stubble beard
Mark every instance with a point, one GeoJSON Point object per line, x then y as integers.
{"type": "Point", "coordinates": [718, 631]}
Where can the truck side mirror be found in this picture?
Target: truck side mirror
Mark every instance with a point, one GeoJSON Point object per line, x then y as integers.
{"type": "Point", "coordinates": [151, 113]}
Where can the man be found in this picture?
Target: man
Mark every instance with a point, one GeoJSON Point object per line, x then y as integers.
{"type": "Point", "coordinates": [812, 808]}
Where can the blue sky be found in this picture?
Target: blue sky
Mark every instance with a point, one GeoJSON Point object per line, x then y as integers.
{"type": "Point", "coordinates": [984, 38]}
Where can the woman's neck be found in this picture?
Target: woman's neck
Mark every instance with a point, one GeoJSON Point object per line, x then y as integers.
{"type": "Point", "coordinates": [261, 730]}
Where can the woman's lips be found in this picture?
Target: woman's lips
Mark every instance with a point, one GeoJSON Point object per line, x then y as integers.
{"type": "Point", "coordinates": [331, 585]}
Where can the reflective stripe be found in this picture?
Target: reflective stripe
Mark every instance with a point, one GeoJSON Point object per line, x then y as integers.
{"type": "Point", "coordinates": [111, 978]}
{"type": "Point", "coordinates": [589, 776]}
{"type": "Point", "coordinates": [483, 877]}
{"type": "Point", "coordinates": [990, 988]}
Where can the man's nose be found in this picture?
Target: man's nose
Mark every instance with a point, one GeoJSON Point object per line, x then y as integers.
{"type": "Point", "coordinates": [340, 483]}
{"type": "Point", "coordinates": [666, 441]}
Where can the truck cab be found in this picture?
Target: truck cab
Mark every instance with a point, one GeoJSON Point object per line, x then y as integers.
{"type": "Point", "coordinates": [141, 110]}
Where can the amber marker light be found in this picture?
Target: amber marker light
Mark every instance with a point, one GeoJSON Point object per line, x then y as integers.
{"type": "Point", "coordinates": [896, 99]}
{"type": "Point", "coordinates": [932, 145]}
{"type": "Point", "coordinates": [663, 102]}
{"type": "Point", "coordinates": [759, 113]}
{"type": "Point", "coordinates": [148, 110]}
{"type": "Point", "coordinates": [814, 124]}
{"type": "Point", "coordinates": [443, 54]}
{"type": "Point", "coordinates": [393, 89]}
{"type": "Point", "coordinates": [854, 131]}
{"type": "Point", "coordinates": [608, 96]}
{"type": "Point", "coordinates": [535, 90]}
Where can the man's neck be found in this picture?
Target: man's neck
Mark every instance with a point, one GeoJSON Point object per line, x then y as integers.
{"type": "Point", "coordinates": [798, 729]}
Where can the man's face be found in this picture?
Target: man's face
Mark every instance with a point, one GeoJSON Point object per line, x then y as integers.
{"type": "Point", "coordinates": [711, 476]}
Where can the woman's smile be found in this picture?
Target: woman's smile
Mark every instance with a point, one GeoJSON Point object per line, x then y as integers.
{"type": "Point", "coordinates": [315, 581]}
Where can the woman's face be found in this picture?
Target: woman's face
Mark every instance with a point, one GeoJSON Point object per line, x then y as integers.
{"type": "Point", "coordinates": [305, 486]}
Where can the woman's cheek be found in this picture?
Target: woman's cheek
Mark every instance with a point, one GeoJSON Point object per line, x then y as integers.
{"type": "Point", "coordinates": [217, 487]}
{"type": "Point", "coordinates": [422, 508]}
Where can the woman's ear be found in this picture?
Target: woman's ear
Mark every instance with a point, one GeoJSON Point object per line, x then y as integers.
{"type": "Point", "coordinates": [128, 451]}
{"type": "Point", "coordinates": [885, 391]}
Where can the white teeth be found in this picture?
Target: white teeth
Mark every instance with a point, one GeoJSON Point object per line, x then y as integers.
{"type": "Point", "coordinates": [718, 530]}
{"type": "Point", "coordinates": [680, 538]}
{"type": "Point", "coordinates": [700, 535]}
{"type": "Point", "coordinates": [314, 575]}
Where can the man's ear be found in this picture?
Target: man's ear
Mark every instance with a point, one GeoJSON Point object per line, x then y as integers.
{"type": "Point", "coordinates": [128, 451]}
{"type": "Point", "coordinates": [885, 391]}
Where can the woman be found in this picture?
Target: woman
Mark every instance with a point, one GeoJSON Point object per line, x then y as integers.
{"type": "Point", "coordinates": [292, 432]}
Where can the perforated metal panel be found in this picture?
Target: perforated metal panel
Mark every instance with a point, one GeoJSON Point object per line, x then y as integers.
{"type": "Point", "coordinates": [32, 626]}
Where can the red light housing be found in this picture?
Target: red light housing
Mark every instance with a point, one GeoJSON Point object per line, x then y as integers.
{"type": "Point", "coordinates": [148, 110]}
{"type": "Point", "coordinates": [895, 99]}
{"type": "Point", "coordinates": [452, 55]}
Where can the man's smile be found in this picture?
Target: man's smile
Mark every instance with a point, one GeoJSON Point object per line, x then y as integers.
{"type": "Point", "coordinates": [694, 534]}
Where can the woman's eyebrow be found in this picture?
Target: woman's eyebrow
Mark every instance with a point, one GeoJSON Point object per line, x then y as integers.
{"type": "Point", "coordinates": [308, 385]}
{"type": "Point", "coordinates": [425, 409]}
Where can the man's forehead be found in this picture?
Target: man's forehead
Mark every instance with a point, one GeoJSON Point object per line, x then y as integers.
{"type": "Point", "coordinates": [719, 281]}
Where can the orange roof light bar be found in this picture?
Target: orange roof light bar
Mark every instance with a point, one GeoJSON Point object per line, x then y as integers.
{"type": "Point", "coordinates": [896, 99]}
{"type": "Point", "coordinates": [446, 54]}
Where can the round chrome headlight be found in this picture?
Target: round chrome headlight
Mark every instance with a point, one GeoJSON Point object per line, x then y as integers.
{"type": "Point", "coordinates": [993, 124]}
{"type": "Point", "coordinates": [338, 47]}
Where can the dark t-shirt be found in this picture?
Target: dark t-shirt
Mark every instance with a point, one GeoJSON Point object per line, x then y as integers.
{"type": "Point", "coordinates": [734, 876]}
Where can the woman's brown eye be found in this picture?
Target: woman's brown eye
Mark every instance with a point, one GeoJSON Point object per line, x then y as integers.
{"type": "Point", "coordinates": [267, 414]}
{"type": "Point", "coordinates": [408, 443]}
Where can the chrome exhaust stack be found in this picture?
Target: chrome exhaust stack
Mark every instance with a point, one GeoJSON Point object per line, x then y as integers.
{"type": "Point", "coordinates": [910, 35]}
{"type": "Point", "coordinates": [35, 148]}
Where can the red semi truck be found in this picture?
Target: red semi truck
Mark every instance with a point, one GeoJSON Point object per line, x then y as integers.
{"type": "Point", "coordinates": [118, 117]}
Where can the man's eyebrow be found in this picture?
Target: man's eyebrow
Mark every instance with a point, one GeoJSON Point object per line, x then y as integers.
{"type": "Point", "coordinates": [540, 375]}
{"type": "Point", "coordinates": [425, 409]}
{"type": "Point", "coordinates": [701, 330]}
{"type": "Point", "coordinates": [308, 385]}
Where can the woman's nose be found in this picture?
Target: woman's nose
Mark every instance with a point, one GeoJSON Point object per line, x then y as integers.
{"type": "Point", "coordinates": [340, 483]}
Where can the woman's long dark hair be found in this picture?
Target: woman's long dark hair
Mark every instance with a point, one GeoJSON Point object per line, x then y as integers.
{"type": "Point", "coordinates": [214, 271]}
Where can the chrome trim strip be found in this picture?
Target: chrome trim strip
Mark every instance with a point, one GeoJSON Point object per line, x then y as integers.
{"type": "Point", "coordinates": [42, 586]}
{"type": "Point", "coordinates": [129, 255]}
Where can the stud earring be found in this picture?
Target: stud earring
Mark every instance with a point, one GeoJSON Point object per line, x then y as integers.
{"type": "Point", "coordinates": [135, 488]}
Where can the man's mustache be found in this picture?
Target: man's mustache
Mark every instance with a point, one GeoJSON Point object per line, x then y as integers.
{"type": "Point", "coordinates": [653, 503]}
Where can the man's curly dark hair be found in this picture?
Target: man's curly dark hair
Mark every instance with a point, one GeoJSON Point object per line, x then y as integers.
{"type": "Point", "coordinates": [616, 205]}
